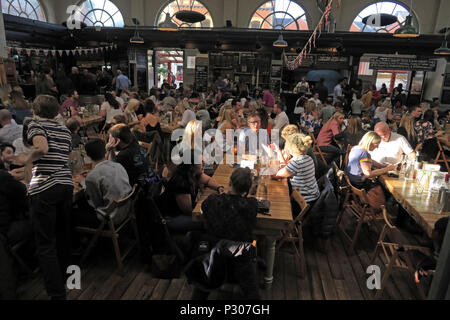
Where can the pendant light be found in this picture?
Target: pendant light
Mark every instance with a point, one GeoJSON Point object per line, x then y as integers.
{"type": "Point", "coordinates": [444, 50]}
{"type": "Point", "coordinates": [189, 16]}
{"type": "Point", "coordinates": [167, 24]}
{"type": "Point", "coordinates": [136, 39]}
{"type": "Point", "coordinates": [280, 42]}
{"type": "Point", "coordinates": [407, 30]}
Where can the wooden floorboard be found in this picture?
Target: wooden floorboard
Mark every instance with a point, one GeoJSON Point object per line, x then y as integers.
{"type": "Point", "coordinates": [335, 275]}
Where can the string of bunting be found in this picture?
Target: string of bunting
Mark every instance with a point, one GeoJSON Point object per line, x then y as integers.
{"type": "Point", "coordinates": [297, 62]}
{"type": "Point", "coordinates": [73, 52]}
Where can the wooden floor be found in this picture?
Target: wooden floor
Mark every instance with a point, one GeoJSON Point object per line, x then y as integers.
{"type": "Point", "coordinates": [335, 275]}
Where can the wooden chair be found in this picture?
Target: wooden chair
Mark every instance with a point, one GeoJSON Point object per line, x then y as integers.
{"type": "Point", "coordinates": [317, 150]}
{"type": "Point", "coordinates": [440, 157]}
{"type": "Point", "coordinates": [112, 231]}
{"type": "Point", "coordinates": [357, 204]}
{"type": "Point", "coordinates": [294, 234]}
{"type": "Point", "coordinates": [347, 154]}
{"type": "Point", "coordinates": [395, 254]}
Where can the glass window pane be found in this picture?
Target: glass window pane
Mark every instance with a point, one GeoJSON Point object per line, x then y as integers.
{"type": "Point", "coordinates": [176, 5]}
{"type": "Point", "coordinates": [280, 14]}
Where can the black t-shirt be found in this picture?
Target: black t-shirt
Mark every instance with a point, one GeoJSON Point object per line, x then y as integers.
{"type": "Point", "coordinates": [230, 217]}
{"type": "Point", "coordinates": [13, 200]}
{"type": "Point", "coordinates": [177, 185]}
{"type": "Point", "coordinates": [134, 159]}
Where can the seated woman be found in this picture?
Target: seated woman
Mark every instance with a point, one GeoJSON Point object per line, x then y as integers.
{"type": "Point", "coordinates": [150, 122]}
{"type": "Point", "coordinates": [310, 119]}
{"type": "Point", "coordinates": [180, 196]}
{"type": "Point", "coordinates": [327, 133]}
{"type": "Point", "coordinates": [360, 168]}
{"type": "Point", "coordinates": [232, 216]}
{"type": "Point", "coordinates": [425, 127]}
{"type": "Point", "coordinates": [406, 129]}
{"type": "Point", "coordinates": [301, 168]}
{"type": "Point", "coordinates": [352, 134]}
{"type": "Point", "coordinates": [19, 107]}
{"type": "Point", "coordinates": [21, 144]}
{"type": "Point", "coordinates": [110, 107]}
{"type": "Point", "coordinates": [383, 112]}
{"type": "Point", "coordinates": [130, 112]}
{"type": "Point", "coordinates": [225, 122]}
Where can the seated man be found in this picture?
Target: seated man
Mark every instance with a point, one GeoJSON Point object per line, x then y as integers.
{"type": "Point", "coordinates": [232, 216]}
{"type": "Point", "coordinates": [106, 182]}
{"type": "Point", "coordinates": [123, 148]}
{"type": "Point", "coordinates": [392, 146]}
{"type": "Point", "coordinates": [252, 138]}
{"type": "Point", "coordinates": [10, 130]}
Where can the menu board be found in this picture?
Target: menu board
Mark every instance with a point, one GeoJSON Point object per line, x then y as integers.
{"type": "Point", "coordinates": [393, 63]}
{"type": "Point", "coordinates": [201, 78]}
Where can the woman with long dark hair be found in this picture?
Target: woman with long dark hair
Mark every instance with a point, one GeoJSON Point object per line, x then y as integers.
{"type": "Point", "coordinates": [110, 108]}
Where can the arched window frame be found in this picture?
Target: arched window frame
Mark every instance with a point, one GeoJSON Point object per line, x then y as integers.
{"type": "Point", "coordinates": [262, 19]}
{"type": "Point", "coordinates": [161, 16]}
{"type": "Point", "coordinates": [392, 27]}
{"type": "Point", "coordinates": [38, 10]}
{"type": "Point", "coordinates": [101, 11]}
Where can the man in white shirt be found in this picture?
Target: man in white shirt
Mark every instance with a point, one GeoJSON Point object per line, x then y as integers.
{"type": "Point", "coordinates": [338, 90]}
{"type": "Point", "coordinates": [392, 146]}
{"type": "Point", "coordinates": [315, 99]}
{"type": "Point", "coordinates": [10, 130]}
{"type": "Point", "coordinates": [281, 120]}
{"type": "Point", "coordinates": [253, 138]}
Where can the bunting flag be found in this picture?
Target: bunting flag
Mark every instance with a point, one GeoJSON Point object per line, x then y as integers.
{"type": "Point", "coordinates": [67, 52]}
{"type": "Point", "coordinates": [46, 52]}
{"type": "Point", "coordinates": [54, 53]}
{"type": "Point", "coordinates": [297, 62]}
{"type": "Point", "coordinates": [8, 50]}
{"type": "Point", "coordinates": [60, 52]}
{"type": "Point", "coordinates": [28, 51]}
{"type": "Point", "coordinates": [19, 50]}
{"type": "Point", "coordinates": [73, 52]}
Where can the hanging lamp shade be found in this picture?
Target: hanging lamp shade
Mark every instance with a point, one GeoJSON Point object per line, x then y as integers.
{"type": "Point", "coordinates": [383, 19]}
{"type": "Point", "coordinates": [407, 30]}
{"type": "Point", "coordinates": [443, 50]}
{"type": "Point", "coordinates": [190, 16]}
{"type": "Point", "coordinates": [168, 24]}
{"type": "Point", "coordinates": [137, 39]}
{"type": "Point", "coordinates": [280, 42]}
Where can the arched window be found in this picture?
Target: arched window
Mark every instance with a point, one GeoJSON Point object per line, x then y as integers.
{"type": "Point", "coordinates": [279, 14]}
{"type": "Point", "coordinates": [101, 13]}
{"type": "Point", "coordinates": [376, 25]}
{"type": "Point", "coordinates": [30, 9]}
{"type": "Point", "coordinates": [191, 5]}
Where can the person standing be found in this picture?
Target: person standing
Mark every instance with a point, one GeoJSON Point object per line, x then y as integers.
{"type": "Point", "coordinates": [268, 99]}
{"type": "Point", "coordinates": [122, 82]}
{"type": "Point", "coordinates": [51, 192]}
{"type": "Point", "coordinates": [322, 90]}
{"type": "Point", "coordinates": [338, 90]}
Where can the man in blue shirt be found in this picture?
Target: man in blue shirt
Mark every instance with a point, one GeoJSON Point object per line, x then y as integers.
{"type": "Point", "coordinates": [122, 82]}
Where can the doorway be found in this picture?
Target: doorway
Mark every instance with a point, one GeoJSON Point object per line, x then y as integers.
{"type": "Point", "coordinates": [166, 66]}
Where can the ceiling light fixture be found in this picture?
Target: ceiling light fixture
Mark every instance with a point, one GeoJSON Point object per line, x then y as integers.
{"type": "Point", "coordinates": [136, 39]}
{"type": "Point", "coordinates": [167, 24]}
{"type": "Point", "coordinates": [443, 50]}
{"type": "Point", "coordinates": [407, 30]}
{"type": "Point", "coordinates": [280, 42]}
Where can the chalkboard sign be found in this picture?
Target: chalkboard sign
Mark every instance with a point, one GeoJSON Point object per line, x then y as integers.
{"type": "Point", "coordinates": [201, 78]}
{"type": "Point", "coordinates": [393, 63]}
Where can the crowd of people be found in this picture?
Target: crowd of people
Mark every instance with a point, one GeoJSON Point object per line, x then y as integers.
{"type": "Point", "coordinates": [35, 157]}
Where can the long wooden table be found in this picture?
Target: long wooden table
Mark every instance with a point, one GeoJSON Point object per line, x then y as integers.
{"type": "Point", "coordinates": [419, 206]}
{"type": "Point", "coordinates": [268, 226]}
{"type": "Point", "coordinates": [93, 119]}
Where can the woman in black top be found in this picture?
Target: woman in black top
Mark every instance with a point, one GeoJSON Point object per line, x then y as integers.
{"type": "Point", "coordinates": [180, 196]}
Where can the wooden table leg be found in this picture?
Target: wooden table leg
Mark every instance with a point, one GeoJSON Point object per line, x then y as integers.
{"type": "Point", "coordinates": [270, 258]}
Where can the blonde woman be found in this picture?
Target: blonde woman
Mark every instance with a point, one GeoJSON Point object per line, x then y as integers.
{"type": "Point", "coordinates": [301, 169]}
{"type": "Point", "coordinates": [384, 111]}
{"type": "Point", "coordinates": [406, 129]}
{"type": "Point", "coordinates": [130, 112]}
{"type": "Point", "coordinates": [360, 164]}
{"type": "Point", "coordinates": [327, 134]}
{"type": "Point", "coordinates": [226, 121]}
{"type": "Point", "coordinates": [252, 106]}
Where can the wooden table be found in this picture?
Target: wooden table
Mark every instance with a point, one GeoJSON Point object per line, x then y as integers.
{"type": "Point", "coordinates": [268, 226]}
{"type": "Point", "coordinates": [93, 119]}
{"type": "Point", "coordinates": [419, 206]}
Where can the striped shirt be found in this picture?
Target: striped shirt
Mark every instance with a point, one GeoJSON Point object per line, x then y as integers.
{"type": "Point", "coordinates": [304, 179]}
{"type": "Point", "coordinates": [52, 168]}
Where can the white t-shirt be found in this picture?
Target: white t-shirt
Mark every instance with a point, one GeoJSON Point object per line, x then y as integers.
{"type": "Point", "coordinates": [281, 120]}
{"type": "Point", "coordinates": [337, 91]}
{"type": "Point", "coordinates": [316, 101]}
{"type": "Point", "coordinates": [188, 116]}
{"type": "Point", "coordinates": [391, 152]}
{"type": "Point", "coordinates": [110, 111]}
